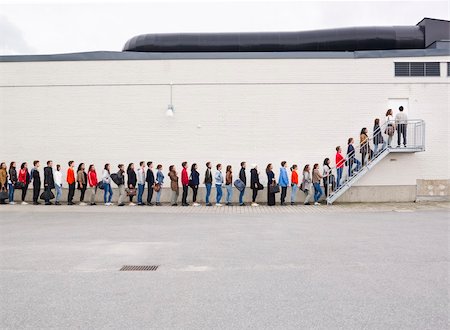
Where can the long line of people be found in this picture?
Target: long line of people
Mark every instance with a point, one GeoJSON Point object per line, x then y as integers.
{"type": "Point", "coordinates": [310, 185]}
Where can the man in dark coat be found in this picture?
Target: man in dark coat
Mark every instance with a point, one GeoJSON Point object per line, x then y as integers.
{"type": "Point", "coordinates": [243, 178]}
{"type": "Point", "coordinates": [49, 182]}
{"type": "Point", "coordinates": [36, 177]}
{"type": "Point", "coordinates": [150, 178]}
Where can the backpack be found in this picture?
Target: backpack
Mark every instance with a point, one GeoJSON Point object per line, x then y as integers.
{"type": "Point", "coordinates": [115, 179]}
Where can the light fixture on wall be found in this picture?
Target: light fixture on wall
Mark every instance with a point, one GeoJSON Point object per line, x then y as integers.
{"type": "Point", "coordinates": [170, 109]}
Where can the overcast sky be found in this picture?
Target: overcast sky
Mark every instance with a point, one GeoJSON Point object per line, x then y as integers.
{"type": "Point", "coordinates": [45, 27]}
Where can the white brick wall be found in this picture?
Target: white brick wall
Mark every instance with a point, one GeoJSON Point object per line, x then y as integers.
{"type": "Point", "coordinates": [225, 111]}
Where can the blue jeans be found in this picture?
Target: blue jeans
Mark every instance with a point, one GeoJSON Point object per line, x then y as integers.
{"type": "Point", "coordinates": [158, 196]}
{"type": "Point", "coordinates": [350, 167]}
{"type": "Point", "coordinates": [241, 196]}
{"type": "Point", "coordinates": [208, 192]}
{"type": "Point", "coordinates": [219, 193]}
{"type": "Point", "coordinates": [383, 146]}
{"type": "Point", "coordinates": [58, 192]}
{"type": "Point", "coordinates": [11, 192]}
{"type": "Point", "coordinates": [229, 188]}
{"type": "Point", "coordinates": [108, 191]}
{"type": "Point", "coordinates": [140, 193]}
{"type": "Point", "coordinates": [294, 192]}
{"type": "Point", "coordinates": [317, 192]}
{"type": "Point", "coordinates": [339, 176]}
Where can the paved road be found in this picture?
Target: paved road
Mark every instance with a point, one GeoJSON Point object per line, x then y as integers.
{"type": "Point", "coordinates": [387, 270]}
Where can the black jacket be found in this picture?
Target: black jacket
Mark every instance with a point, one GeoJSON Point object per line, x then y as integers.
{"type": "Point", "coordinates": [13, 175]}
{"type": "Point", "coordinates": [242, 175]}
{"type": "Point", "coordinates": [36, 177]}
{"type": "Point", "coordinates": [121, 178]}
{"type": "Point", "coordinates": [150, 178]}
{"type": "Point", "coordinates": [208, 176]}
{"type": "Point", "coordinates": [132, 180]}
{"type": "Point", "coordinates": [48, 178]}
{"type": "Point", "coordinates": [254, 179]}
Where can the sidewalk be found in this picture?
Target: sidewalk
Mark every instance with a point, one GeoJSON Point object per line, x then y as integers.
{"type": "Point", "coordinates": [262, 209]}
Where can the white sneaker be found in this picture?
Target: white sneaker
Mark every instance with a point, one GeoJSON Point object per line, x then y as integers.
{"type": "Point", "coordinates": [316, 203]}
{"type": "Point", "coordinates": [132, 204]}
{"type": "Point", "coordinates": [218, 204]}
{"type": "Point", "coordinates": [24, 203]}
{"type": "Point", "coordinates": [82, 204]}
{"type": "Point", "coordinates": [11, 203]}
{"type": "Point", "coordinates": [255, 204]}
{"type": "Point", "coordinates": [107, 204]}
{"type": "Point", "coordinates": [196, 204]}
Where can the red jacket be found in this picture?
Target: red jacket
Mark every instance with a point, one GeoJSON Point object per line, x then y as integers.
{"type": "Point", "coordinates": [92, 179]}
{"type": "Point", "coordinates": [70, 176]}
{"type": "Point", "coordinates": [184, 177]}
{"type": "Point", "coordinates": [340, 161]}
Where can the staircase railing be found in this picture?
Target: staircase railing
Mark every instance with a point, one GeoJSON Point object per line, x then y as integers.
{"type": "Point", "coordinates": [354, 169]}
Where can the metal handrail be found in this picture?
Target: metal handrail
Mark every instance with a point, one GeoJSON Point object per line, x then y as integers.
{"type": "Point", "coordinates": [418, 127]}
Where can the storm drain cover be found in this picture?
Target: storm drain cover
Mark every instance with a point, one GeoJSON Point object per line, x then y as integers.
{"type": "Point", "coordinates": [129, 268]}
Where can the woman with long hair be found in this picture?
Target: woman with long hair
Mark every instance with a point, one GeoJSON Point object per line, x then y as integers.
{"type": "Point", "coordinates": [82, 182]}
{"type": "Point", "coordinates": [132, 180]}
{"type": "Point", "coordinates": [194, 181]}
{"type": "Point", "coordinates": [270, 182]}
{"type": "Point", "coordinates": [229, 185]}
{"type": "Point", "coordinates": [294, 183]}
{"type": "Point", "coordinates": [390, 126]}
{"type": "Point", "coordinates": [12, 181]}
{"type": "Point", "coordinates": [92, 181]}
{"type": "Point", "coordinates": [106, 178]}
{"type": "Point", "coordinates": [24, 180]}
{"type": "Point", "coordinates": [306, 184]}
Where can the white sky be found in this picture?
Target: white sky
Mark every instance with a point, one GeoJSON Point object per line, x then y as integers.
{"type": "Point", "coordinates": [45, 27]}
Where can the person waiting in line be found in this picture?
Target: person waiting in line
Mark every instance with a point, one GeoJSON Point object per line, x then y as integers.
{"type": "Point", "coordinates": [328, 180]}
{"type": "Point", "coordinates": [184, 183]}
{"type": "Point", "coordinates": [36, 177]}
{"type": "Point", "coordinates": [218, 178]}
{"type": "Point", "coordinates": [294, 183]}
{"type": "Point", "coordinates": [82, 182]}
{"type": "Point", "coordinates": [351, 158]}
{"type": "Point", "coordinates": [159, 183]}
{"type": "Point", "coordinates": [255, 185]}
{"type": "Point", "coordinates": [390, 126]}
{"type": "Point", "coordinates": [364, 147]}
{"type": "Point", "coordinates": [70, 178]}
{"type": "Point", "coordinates": [194, 182]}
{"type": "Point", "coordinates": [174, 186]}
{"type": "Point", "coordinates": [24, 181]}
{"type": "Point", "coordinates": [243, 178]}
{"type": "Point", "coordinates": [377, 137]}
{"type": "Point", "coordinates": [150, 179]}
{"type": "Point", "coordinates": [316, 177]}
{"type": "Point", "coordinates": [49, 183]}
{"type": "Point", "coordinates": [270, 181]}
{"type": "Point", "coordinates": [306, 184]}
{"type": "Point", "coordinates": [121, 184]}
{"type": "Point", "coordinates": [3, 180]}
{"type": "Point", "coordinates": [401, 122]}
{"type": "Point", "coordinates": [132, 181]}
{"type": "Point", "coordinates": [229, 185]}
{"type": "Point", "coordinates": [141, 182]}
{"type": "Point", "coordinates": [340, 162]}
{"type": "Point", "coordinates": [107, 189]}
{"type": "Point", "coordinates": [12, 181]}
{"type": "Point", "coordinates": [93, 182]}
{"type": "Point", "coordinates": [57, 178]}
{"type": "Point", "coordinates": [284, 182]}
{"type": "Point", "coordinates": [208, 183]}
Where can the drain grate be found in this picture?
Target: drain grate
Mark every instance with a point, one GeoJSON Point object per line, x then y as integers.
{"type": "Point", "coordinates": [128, 268]}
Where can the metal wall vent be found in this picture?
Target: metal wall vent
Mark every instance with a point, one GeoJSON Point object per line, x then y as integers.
{"type": "Point", "coordinates": [417, 69]}
{"type": "Point", "coordinates": [129, 268]}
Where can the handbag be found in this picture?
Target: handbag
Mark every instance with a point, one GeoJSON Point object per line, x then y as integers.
{"type": "Point", "coordinates": [259, 186]}
{"type": "Point", "coordinates": [47, 194]}
{"type": "Point", "coordinates": [239, 184]}
{"type": "Point", "coordinates": [101, 185]}
{"type": "Point", "coordinates": [274, 188]}
{"type": "Point", "coordinates": [131, 192]}
{"type": "Point", "coordinates": [389, 130]}
{"type": "Point", "coordinates": [19, 185]}
{"type": "Point", "coordinates": [3, 195]}
{"type": "Point", "coordinates": [157, 187]}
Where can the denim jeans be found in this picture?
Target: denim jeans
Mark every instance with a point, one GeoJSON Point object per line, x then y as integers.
{"type": "Point", "coordinates": [208, 192]}
{"type": "Point", "coordinates": [241, 196]}
{"type": "Point", "coordinates": [351, 164]}
{"type": "Point", "coordinates": [11, 192]}
{"type": "Point", "coordinates": [58, 192]}
{"type": "Point", "coordinates": [107, 195]}
{"type": "Point", "coordinates": [339, 176]}
{"type": "Point", "coordinates": [229, 188]}
{"type": "Point", "coordinates": [375, 148]}
{"type": "Point", "coordinates": [294, 192]}
{"type": "Point", "coordinates": [158, 196]}
{"type": "Point", "coordinates": [317, 191]}
{"type": "Point", "coordinates": [140, 193]}
{"type": "Point", "coordinates": [219, 193]}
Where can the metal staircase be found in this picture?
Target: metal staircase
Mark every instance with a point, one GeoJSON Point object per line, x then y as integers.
{"type": "Point", "coordinates": [415, 134]}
